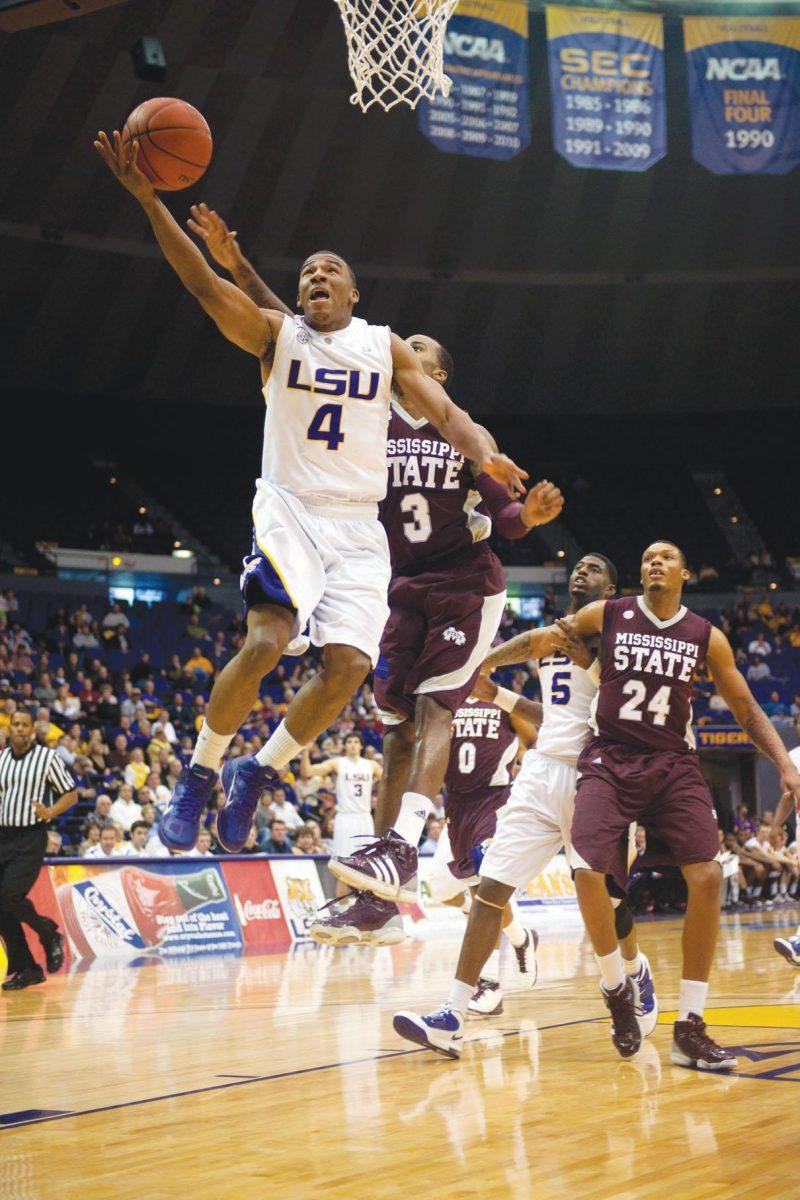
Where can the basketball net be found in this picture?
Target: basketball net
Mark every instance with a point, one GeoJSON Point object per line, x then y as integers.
{"type": "Point", "coordinates": [395, 49]}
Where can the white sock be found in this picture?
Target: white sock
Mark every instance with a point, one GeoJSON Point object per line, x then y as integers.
{"type": "Point", "coordinates": [491, 968]}
{"type": "Point", "coordinates": [611, 969]}
{"type": "Point", "coordinates": [515, 931]}
{"type": "Point", "coordinates": [414, 810]}
{"type": "Point", "coordinates": [460, 995]}
{"type": "Point", "coordinates": [633, 965]}
{"type": "Point", "coordinates": [279, 749]}
{"type": "Point", "coordinates": [692, 998]}
{"type": "Point", "coordinates": [210, 748]}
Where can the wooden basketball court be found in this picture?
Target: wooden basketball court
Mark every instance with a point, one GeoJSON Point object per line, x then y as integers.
{"type": "Point", "coordinates": [281, 1076]}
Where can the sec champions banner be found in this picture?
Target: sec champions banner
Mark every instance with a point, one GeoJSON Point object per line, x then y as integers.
{"type": "Point", "coordinates": [486, 55]}
{"type": "Point", "coordinates": [607, 87]}
{"type": "Point", "coordinates": [744, 93]}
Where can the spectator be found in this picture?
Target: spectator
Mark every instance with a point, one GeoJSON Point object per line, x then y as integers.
{"type": "Point", "coordinates": [115, 628]}
{"type": "Point", "coordinates": [125, 810]}
{"type": "Point", "coordinates": [199, 667]}
{"type": "Point", "coordinates": [304, 841]}
{"type": "Point", "coordinates": [137, 846]}
{"type": "Point", "coordinates": [84, 638]}
{"type": "Point", "coordinates": [759, 646]}
{"type": "Point", "coordinates": [203, 847]}
{"type": "Point", "coordinates": [758, 669]}
{"type": "Point", "coordinates": [278, 840]}
{"type": "Point", "coordinates": [55, 847]}
{"type": "Point", "coordinates": [433, 831]}
{"type": "Point", "coordinates": [136, 771]}
{"type": "Point", "coordinates": [774, 706]}
{"type": "Point", "coordinates": [283, 810]}
{"type": "Point", "coordinates": [106, 847]}
{"type": "Point", "coordinates": [251, 845]}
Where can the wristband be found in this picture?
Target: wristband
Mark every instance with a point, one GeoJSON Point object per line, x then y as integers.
{"type": "Point", "coordinates": [506, 699]}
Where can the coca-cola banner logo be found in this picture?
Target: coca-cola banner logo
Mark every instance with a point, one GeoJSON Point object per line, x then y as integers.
{"type": "Point", "coordinates": [257, 905]}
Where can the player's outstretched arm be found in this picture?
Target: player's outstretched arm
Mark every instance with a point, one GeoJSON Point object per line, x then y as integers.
{"type": "Point", "coordinates": [525, 715]}
{"type": "Point", "coordinates": [451, 421]}
{"type": "Point", "coordinates": [735, 691]}
{"type": "Point", "coordinates": [223, 246]}
{"type": "Point", "coordinates": [236, 316]}
{"type": "Point", "coordinates": [513, 520]}
{"type": "Point", "coordinates": [562, 636]}
{"type": "Point", "coordinates": [322, 770]}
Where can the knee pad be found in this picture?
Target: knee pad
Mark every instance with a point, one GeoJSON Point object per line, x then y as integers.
{"type": "Point", "coordinates": [623, 920]}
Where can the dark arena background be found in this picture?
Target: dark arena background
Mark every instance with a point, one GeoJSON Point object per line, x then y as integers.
{"type": "Point", "coordinates": [624, 328]}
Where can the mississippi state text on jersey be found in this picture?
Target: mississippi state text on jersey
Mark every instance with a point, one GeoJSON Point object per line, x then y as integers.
{"type": "Point", "coordinates": [647, 670]}
{"type": "Point", "coordinates": [431, 505]}
{"type": "Point", "coordinates": [327, 399]}
{"type": "Point", "coordinates": [482, 749]}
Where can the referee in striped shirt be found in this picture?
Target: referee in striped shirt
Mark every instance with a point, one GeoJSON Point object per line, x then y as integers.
{"type": "Point", "coordinates": [35, 787]}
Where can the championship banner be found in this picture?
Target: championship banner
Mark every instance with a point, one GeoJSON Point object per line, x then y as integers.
{"type": "Point", "coordinates": [487, 113]}
{"type": "Point", "coordinates": [607, 87]}
{"type": "Point", "coordinates": [744, 93]}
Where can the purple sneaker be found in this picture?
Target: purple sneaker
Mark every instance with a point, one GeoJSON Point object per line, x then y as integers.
{"type": "Point", "coordinates": [692, 1047]}
{"type": "Point", "coordinates": [360, 919]}
{"type": "Point", "coordinates": [442, 1030]}
{"type": "Point", "coordinates": [387, 867]}
{"type": "Point", "coordinates": [180, 824]}
{"type": "Point", "coordinates": [244, 781]}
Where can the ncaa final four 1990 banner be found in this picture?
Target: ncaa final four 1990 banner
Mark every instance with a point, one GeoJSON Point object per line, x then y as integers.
{"type": "Point", "coordinates": [744, 93]}
{"type": "Point", "coordinates": [486, 55]}
{"type": "Point", "coordinates": [607, 87]}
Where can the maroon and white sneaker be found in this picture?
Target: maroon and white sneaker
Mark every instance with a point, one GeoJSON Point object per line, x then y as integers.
{"type": "Point", "coordinates": [487, 999]}
{"type": "Point", "coordinates": [359, 920]}
{"type": "Point", "coordinates": [526, 956]}
{"type": "Point", "coordinates": [623, 1003]}
{"type": "Point", "coordinates": [386, 867]}
{"type": "Point", "coordinates": [692, 1047]}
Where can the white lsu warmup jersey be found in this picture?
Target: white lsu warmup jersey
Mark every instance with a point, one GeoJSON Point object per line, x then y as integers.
{"type": "Point", "coordinates": [327, 418]}
{"type": "Point", "coordinates": [354, 785]}
{"type": "Point", "coordinates": [568, 693]}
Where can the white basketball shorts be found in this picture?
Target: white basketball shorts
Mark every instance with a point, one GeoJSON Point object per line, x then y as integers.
{"type": "Point", "coordinates": [327, 560]}
{"type": "Point", "coordinates": [535, 823]}
{"type": "Point", "coordinates": [348, 833]}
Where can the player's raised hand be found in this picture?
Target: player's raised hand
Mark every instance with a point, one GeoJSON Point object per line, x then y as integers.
{"type": "Point", "coordinates": [573, 646]}
{"type": "Point", "coordinates": [543, 503]}
{"type": "Point", "coordinates": [122, 162]}
{"type": "Point", "coordinates": [790, 782]}
{"type": "Point", "coordinates": [504, 470]}
{"type": "Point", "coordinates": [220, 241]}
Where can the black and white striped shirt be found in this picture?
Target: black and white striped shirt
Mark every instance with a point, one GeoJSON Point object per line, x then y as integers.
{"type": "Point", "coordinates": [37, 777]}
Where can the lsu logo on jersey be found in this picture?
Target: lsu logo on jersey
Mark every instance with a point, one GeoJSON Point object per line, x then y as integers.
{"type": "Point", "coordinates": [334, 381]}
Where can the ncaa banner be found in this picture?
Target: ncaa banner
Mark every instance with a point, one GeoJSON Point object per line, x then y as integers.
{"type": "Point", "coordinates": [744, 93]}
{"type": "Point", "coordinates": [486, 55]}
{"type": "Point", "coordinates": [607, 87]}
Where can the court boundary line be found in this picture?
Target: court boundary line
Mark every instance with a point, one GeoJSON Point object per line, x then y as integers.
{"type": "Point", "coordinates": [250, 1079]}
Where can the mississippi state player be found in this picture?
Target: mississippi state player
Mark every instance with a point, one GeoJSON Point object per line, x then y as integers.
{"type": "Point", "coordinates": [354, 779]}
{"type": "Point", "coordinates": [642, 766]}
{"type": "Point", "coordinates": [446, 599]}
{"type": "Point", "coordinates": [320, 557]}
{"type": "Point", "coordinates": [535, 823]}
{"type": "Point", "coordinates": [486, 735]}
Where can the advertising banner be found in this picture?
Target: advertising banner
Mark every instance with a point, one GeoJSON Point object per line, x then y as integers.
{"type": "Point", "coordinates": [486, 55]}
{"type": "Point", "coordinates": [722, 737]}
{"type": "Point", "coordinates": [300, 893]}
{"type": "Point", "coordinates": [744, 93]}
{"type": "Point", "coordinates": [607, 87]}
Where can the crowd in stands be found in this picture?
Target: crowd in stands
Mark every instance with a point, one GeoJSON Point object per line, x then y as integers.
{"type": "Point", "coordinates": [124, 719]}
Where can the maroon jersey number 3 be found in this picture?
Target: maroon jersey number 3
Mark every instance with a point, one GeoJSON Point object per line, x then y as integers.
{"type": "Point", "coordinates": [648, 665]}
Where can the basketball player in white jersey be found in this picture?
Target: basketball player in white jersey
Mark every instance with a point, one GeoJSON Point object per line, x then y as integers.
{"type": "Point", "coordinates": [355, 777]}
{"type": "Point", "coordinates": [320, 558]}
{"type": "Point", "coordinates": [535, 823]}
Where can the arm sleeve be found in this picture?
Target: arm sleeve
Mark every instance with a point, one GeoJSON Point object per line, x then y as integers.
{"type": "Point", "coordinates": [59, 778]}
{"type": "Point", "coordinates": [504, 511]}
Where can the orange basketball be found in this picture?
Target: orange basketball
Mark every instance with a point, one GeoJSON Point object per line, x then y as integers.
{"type": "Point", "coordinates": [174, 142]}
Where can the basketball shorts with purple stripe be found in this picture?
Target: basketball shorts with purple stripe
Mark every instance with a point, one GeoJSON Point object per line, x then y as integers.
{"type": "Point", "coordinates": [662, 790]}
{"type": "Point", "coordinates": [441, 627]}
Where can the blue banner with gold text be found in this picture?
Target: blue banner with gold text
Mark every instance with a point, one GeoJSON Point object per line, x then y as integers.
{"type": "Point", "coordinates": [744, 93]}
{"type": "Point", "coordinates": [486, 55]}
{"type": "Point", "coordinates": [607, 87]}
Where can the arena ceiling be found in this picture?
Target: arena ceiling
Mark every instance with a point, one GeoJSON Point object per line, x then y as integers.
{"type": "Point", "coordinates": [557, 290]}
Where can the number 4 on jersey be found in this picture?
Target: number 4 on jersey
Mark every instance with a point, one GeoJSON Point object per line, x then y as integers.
{"type": "Point", "coordinates": [658, 706]}
{"type": "Point", "coordinates": [331, 433]}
